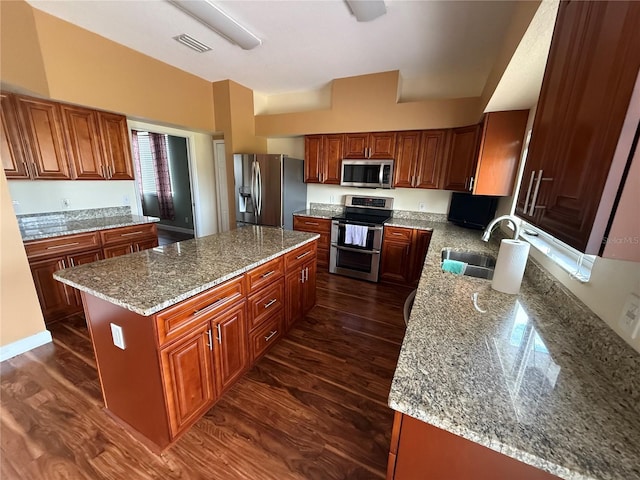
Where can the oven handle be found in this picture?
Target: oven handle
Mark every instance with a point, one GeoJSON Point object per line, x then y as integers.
{"type": "Point", "coordinates": [340, 247]}
{"type": "Point", "coordinates": [339, 223]}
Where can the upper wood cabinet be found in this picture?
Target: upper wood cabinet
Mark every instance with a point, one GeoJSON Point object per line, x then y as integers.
{"type": "Point", "coordinates": [419, 157]}
{"type": "Point", "coordinates": [41, 125]}
{"type": "Point", "coordinates": [461, 158]}
{"type": "Point", "coordinates": [115, 142]}
{"type": "Point", "coordinates": [379, 145]}
{"type": "Point", "coordinates": [83, 140]}
{"type": "Point", "coordinates": [323, 158]}
{"type": "Point", "coordinates": [500, 149]}
{"type": "Point", "coordinates": [49, 140]}
{"type": "Point", "coordinates": [589, 79]}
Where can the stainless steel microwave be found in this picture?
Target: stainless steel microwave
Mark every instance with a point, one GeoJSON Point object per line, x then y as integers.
{"type": "Point", "coordinates": [367, 173]}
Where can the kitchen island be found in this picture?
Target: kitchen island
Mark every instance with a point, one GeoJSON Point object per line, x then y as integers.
{"type": "Point", "coordinates": [536, 377]}
{"type": "Point", "coordinates": [174, 327]}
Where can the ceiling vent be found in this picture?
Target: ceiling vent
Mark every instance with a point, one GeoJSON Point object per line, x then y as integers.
{"type": "Point", "coordinates": [192, 43]}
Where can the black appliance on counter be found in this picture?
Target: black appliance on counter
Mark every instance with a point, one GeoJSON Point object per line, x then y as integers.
{"type": "Point", "coordinates": [472, 211]}
{"type": "Point", "coordinates": [353, 260]}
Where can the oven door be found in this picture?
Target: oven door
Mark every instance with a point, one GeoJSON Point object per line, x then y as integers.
{"type": "Point", "coordinates": [353, 260]}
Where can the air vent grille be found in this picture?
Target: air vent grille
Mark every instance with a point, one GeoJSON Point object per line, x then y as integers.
{"type": "Point", "coordinates": [192, 43]}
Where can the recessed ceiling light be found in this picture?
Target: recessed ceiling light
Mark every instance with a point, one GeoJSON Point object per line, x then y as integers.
{"type": "Point", "coordinates": [367, 10]}
{"type": "Point", "coordinates": [192, 43]}
{"type": "Point", "coordinates": [211, 16]}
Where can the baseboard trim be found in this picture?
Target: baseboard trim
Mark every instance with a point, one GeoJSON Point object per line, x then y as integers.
{"type": "Point", "coordinates": [174, 229]}
{"type": "Point", "coordinates": [24, 345]}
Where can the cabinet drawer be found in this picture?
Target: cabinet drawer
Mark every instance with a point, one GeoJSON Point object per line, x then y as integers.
{"type": "Point", "coordinates": [265, 274]}
{"type": "Point", "coordinates": [266, 303]}
{"type": "Point", "coordinates": [265, 336]}
{"type": "Point", "coordinates": [314, 225]}
{"type": "Point", "coordinates": [300, 255]}
{"type": "Point", "coordinates": [127, 234]}
{"type": "Point", "coordinates": [175, 321]}
{"type": "Point", "coordinates": [397, 234]}
{"type": "Point", "coordinates": [61, 245]}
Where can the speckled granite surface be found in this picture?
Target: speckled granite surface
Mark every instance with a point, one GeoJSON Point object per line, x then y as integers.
{"type": "Point", "coordinates": [409, 223]}
{"type": "Point", "coordinates": [149, 281]}
{"type": "Point", "coordinates": [520, 378]}
{"type": "Point", "coordinates": [318, 213]}
{"type": "Point", "coordinates": [420, 216]}
{"type": "Point", "coordinates": [56, 224]}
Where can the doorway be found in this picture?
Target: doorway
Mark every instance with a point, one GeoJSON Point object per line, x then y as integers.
{"type": "Point", "coordinates": [164, 182]}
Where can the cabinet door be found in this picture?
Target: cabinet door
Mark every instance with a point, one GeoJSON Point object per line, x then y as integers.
{"type": "Point", "coordinates": [574, 139]}
{"type": "Point", "coordinates": [188, 378]}
{"type": "Point", "coordinates": [230, 346]}
{"type": "Point", "coordinates": [146, 244]}
{"type": "Point", "coordinates": [394, 261]}
{"type": "Point", "coordinates": [118, 250]}
{"type": "Point", "coordinates": [312, 158]}
{"type": "Point", "coordinates": [14, 160]}
{"type": "Point", "coordinates": [83, 139]}
{"type": "Point", "coordinates": [309, 287]}
{"type": "Point", "coordinates": [408, 147]}
{"type": "Point", "coordinates": [115, 142]}
{"type": "Point", "coordinates": [429, 164]}
{"type": "Point", "coordinates": [461, 158]}
{"type": "Point", "coordinates": [293, 297]}
{"type": "Point", "coordinates": [332, 158]}
{"type": "Point", "coordinates": [419, 247]}
{"type": "Point", "coordinates": [41, 124]}
{"type": "Point", "coordinates": [356, 145]}
{"type": "Point", "coordinates": [56, 299]}
{"type": "Point", "coordinates": [81, 259]}
{"type": "Point", "coordinates": [382, 145]}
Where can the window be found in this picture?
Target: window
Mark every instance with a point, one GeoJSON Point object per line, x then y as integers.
{"type": "Point", "coordinates": [147, 166]}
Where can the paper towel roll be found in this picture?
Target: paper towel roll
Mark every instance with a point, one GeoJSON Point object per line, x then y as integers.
{"type": "Point", "coordinates": [512, 260]}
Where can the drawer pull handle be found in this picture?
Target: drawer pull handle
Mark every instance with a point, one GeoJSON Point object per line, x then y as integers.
{"type": "Point", "coordinates": [210, 306]}
{"type": "Point", "coordinates": [397, 234]}
{"type": "Point", "coordinates": [131, 233]}
{"type": "Point", "coordinates": [265, 275]}
{"type": "Point", "coordinates": [303, 255]}
{"type": "Point", "coordinates": [311, 223]}
{"type": "Point", "coordinates": [272, 334]}
{"type": "Point", "coordinates": [271, 302]}
{"type": "Point", "coordinates": [53, 247]}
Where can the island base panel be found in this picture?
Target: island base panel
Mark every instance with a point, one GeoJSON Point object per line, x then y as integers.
{"type": "Point", "coordinates": [130, 378]}
{"type": "Point", "coordinates": [419, 451]}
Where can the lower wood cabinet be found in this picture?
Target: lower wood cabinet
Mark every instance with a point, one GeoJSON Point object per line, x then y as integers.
{"type": "Point", "coordinates": [419, 451]}
{"type": "Point", "coordinates": [265, 336]}
{"type": "Point", "coordinates": [321, 226]}
{"type": "Point", "coordinates": [47, 256]}
{"type": "Point", "coordinates": [300, 291]}
{"type": "Point", "coordinates": [229, 346]}
{"type": "Point", "coordinates": [403, 254]}
{"type": "Point", "coordinates": [187, 369]}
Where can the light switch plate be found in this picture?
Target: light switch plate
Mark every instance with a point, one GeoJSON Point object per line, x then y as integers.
{"type": "Point", "coordinates": [117, 335]}
{"type": "Point", "coordinates": [629, 320]}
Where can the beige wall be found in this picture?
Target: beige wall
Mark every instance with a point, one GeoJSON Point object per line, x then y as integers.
{"type": "Point", "coordinates": [52, 58]}
{"type": "Point", "coordinates": [369, 103]}
{"type": "Point", "coordinates": [20, 314]}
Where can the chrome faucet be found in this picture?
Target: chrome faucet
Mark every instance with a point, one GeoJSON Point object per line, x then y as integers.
{"type": "Point", "coordinates": [515, 221]}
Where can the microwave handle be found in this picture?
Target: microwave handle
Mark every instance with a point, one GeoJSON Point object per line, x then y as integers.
{"type": "Point", "coordinates": [381, 174]}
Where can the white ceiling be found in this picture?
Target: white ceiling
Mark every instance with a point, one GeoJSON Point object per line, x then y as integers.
{"type": "Point", "coordinates": [448, 47]}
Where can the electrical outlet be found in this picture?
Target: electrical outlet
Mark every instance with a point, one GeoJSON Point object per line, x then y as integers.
{"type": "Point", "coordinates": [332, 199]}
{"type": "Point", "coordinates": [16, 206]}
{"type": "Point", "coordinates": [125, 200]}
{"type": "Point", "coordinates": [65, 203]}
{"type": "Point", "coordinates": [117, 335]}
{"type": "Point", "coordinates": [629, 320]}
{"type": "Point", "coordinates": [422, 207]}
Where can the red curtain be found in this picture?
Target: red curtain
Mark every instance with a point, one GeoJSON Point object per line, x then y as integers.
{"type": "Point", "coordinates": [158, 144]}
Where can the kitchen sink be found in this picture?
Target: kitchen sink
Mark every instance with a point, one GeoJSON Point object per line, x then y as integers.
{"type": "Point", "coordinates": [479, 265]}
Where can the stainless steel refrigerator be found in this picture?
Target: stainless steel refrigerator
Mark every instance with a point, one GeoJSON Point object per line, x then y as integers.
{"type": "Point", "coordinates": [268, 189]}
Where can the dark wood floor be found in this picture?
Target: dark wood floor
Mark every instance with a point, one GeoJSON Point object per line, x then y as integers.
{"type": "Point", "coordinates": [166, 237]}
{"type": "Point", "coordinates": [314, 408]}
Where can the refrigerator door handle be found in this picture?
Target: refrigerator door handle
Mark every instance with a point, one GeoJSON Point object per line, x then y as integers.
{"type": "Point", "coordinates": [259, 178]}
{"type": "Point", "coordinates": [253, 184]}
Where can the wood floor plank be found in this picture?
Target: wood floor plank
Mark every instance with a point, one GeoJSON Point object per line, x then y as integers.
{"type": "Point", "coordinates": [314, 408]}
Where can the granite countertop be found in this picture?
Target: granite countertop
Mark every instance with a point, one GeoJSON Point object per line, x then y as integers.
{"type": "Point", "coordinates": [416, 223]}
{"type": "Point", "coordinates": [57, 224]}
{"type": "Point", "coordinates": [149, 281]}
{"type": "Point", "coordinates": [317, 213]}
{"type": "Point", "coordinates": [534, 377]}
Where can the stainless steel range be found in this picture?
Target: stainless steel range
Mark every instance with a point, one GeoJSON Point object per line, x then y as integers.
{"type": "Point", "coordinates": [356, 237]}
